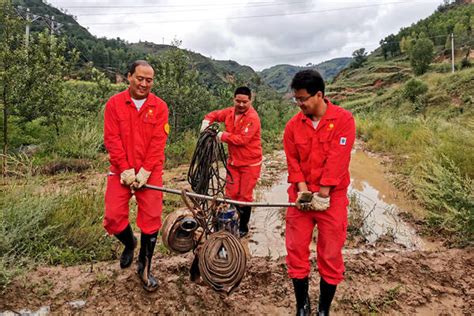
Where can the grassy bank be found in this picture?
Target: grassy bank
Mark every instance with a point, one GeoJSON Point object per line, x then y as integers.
{"type": "Point", "coordinates": [426, 125]}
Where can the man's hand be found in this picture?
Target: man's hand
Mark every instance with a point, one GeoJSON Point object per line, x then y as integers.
{"type": "Point", "coordinates": [303, 200]}
{"type": "Point", "coordinates": [204, 125]}
{"type": "Point", "coordinates": [142, 178]}
{"type": "Point", "coordinates": [319, 203]}
{"type": "Point", "coordinates": [127, 177]}
{"type": "Point", "coordinates": [219, 137]}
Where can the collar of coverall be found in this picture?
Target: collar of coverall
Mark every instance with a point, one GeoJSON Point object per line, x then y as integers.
{"type": "Point", "coordinates": [246, 112]}
{"type": "Point", "coordinates": [128, 99]}
{"type": "Point", "coordinates": [330, 112]}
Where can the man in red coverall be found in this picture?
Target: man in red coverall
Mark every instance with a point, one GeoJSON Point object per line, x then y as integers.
{"type": "Point", "coordinates": [135, 132]}
{"type": "Point", "coordinates": [317, 142]}
{"type": "Point", "coordinates": [242, 135]}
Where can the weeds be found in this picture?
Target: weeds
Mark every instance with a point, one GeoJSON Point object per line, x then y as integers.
{"type": "Point", "coordinates": [61, 227]}
{"type": "Point", "coordinates": [449, 197]}
{"type": "Point", "coordinates": [355, 218]}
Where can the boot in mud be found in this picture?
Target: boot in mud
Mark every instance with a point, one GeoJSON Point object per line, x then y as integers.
{"type": "Point", "coordinates": [145, 256]}
{"type": "Point", "coordinates": [303, 307]}
{"type": "Point", "coordinates": [130, 242]}
{"type": "Point", "coordinates": [245, 212]}
{"type": "Point", "coordinates": [326, 295]}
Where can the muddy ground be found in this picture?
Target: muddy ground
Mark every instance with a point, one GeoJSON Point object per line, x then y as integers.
{"type": "Point", "coordinates": [382, 277]}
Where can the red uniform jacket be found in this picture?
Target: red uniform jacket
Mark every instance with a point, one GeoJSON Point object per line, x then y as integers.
{"type": "Point", "coordinates": [321, 156]}
{"type": "Point", "coordinates": [133, 138]}
{"type": "Point", "coordinates": [243, 137]}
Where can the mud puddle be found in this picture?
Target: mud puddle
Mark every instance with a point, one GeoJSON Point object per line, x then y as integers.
{"type": "Point", "coordinates": [266, 223]}
{"type": "Point", "coordinates": [381, 204]}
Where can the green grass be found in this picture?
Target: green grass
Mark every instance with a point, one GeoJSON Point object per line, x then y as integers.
{"type": "Point", "coordinates": [58, 225]}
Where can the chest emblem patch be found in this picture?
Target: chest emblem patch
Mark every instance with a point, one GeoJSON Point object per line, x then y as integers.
{"type": "Point", "coordinates": [149, 113]}
{"type": "Point", "coordinates": [342, 141]}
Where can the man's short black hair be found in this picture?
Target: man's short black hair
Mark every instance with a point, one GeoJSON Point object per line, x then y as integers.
{"type": "Point", "coordinates": [135, 64]}
{"type": "Point", "coordinates": [243, 90]}
{"type": "Point", "coordinates": [308, 79]}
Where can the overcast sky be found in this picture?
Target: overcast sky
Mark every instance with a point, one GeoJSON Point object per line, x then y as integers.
{"type": "Point", "coordinates": [258, 33]}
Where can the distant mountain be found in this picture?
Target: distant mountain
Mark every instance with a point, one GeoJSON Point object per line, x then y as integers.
{"type": "Point", "coordinates": [113, 55]}
{"type": "Point", "coordinates": [279, 76]}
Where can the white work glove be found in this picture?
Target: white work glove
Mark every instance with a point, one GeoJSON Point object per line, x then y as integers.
{"type": "Point", "coordinates": [219, 137]}
{"type": "Point", "coordinates": [204, 125]}
{"type": "Point", "coordinates": [142, 178]}
{"type": "Point", "coordinates": [319, 203]}
{"type": "Point", "coordinates": [303, 200]}
{"type": "Point", "coordinates": [127, 177]}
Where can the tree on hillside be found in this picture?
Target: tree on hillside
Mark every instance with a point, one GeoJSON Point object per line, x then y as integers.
{"type": "Point", "coordinates": [421, 55]}
{"type": "Point", "coordinates": [390, 46]}
{"type": "Point", "coordinates": [12, 66]}
{"type": "Point", "coordinates": [406, 44]}
{"type": "Point", "coordinates": [359, 58]}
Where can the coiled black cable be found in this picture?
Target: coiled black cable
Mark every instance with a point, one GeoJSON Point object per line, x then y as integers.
{"type": "Point", "coordinates": [208, 157]}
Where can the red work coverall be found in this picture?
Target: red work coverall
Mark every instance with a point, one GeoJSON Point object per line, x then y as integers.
{"type": "Point", "coordinates": [319, 157]}
{"type": "Point", "coordinates": [243, 138]}
{"type": "Point", "coordinates": [134, 139]}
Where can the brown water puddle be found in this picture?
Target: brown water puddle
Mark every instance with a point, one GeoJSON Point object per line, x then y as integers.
{"type": "Point", "coordinates": [382, 202]}
{"type": "Point", "coordinates": [380, 199]}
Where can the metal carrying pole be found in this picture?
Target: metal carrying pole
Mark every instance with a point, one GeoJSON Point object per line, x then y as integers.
{"type": "Point", "coordinates": [210, 198]}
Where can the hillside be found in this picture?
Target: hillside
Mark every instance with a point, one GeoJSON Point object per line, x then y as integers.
{"type": "Point", "coordinates": [279, 76]}
{"type": "Point", "coordinates": [423, 123]}
{"type": "Point", "coordinates": [113, 55]}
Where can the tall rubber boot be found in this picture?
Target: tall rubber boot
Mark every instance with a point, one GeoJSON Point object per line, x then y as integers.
{"type": "Point", "coordinates": [130, 242]}
{"type": "Point", "coordinates": [245, 212]}
{"type": "Point", "coordinates": [145, 256]}
{"type": "Point", "coordinates": [326, 295]}
{"type": "Point", "coordinates": [301, 286]}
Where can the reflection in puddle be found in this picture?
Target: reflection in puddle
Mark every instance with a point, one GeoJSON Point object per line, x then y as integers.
{"type": "Point", "coordinates": [380, 200]}
{"type": "Point", "coordinates": [267, 233]}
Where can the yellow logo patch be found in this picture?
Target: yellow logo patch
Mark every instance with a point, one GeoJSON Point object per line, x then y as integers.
{"type": "Point", "coordinates": [166, 127]}
{"type": "Point", "coordinates": [331, 126]}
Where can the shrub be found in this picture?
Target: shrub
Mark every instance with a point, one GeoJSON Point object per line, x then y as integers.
{"type": "Point", "coordinates": [414, 89]}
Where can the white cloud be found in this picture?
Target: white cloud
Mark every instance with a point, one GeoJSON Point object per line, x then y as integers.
{"type": "Point", "coordinates": [327, 29]}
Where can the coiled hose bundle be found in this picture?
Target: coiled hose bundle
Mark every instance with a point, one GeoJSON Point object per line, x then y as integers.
{"type": "Point", "coordinates": [222, 261]}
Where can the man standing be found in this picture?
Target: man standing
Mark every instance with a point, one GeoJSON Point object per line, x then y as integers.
{"type": "Point", "coordinates": [135, 132]}
{"type": "Point", "coordinates": [242, 135]}
{"type": "Point", "coordinates": [317, 142]}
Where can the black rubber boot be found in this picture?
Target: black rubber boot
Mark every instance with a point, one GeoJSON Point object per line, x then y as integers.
{"type": "Point", "coordinates": [326, 295]}
{"type": "Point", "coordinates": [130, 242]}
{"type": "Point", "coordinates": [301, 286]}
{"type": "Point", "coordinates": [194, 273]}
{"type": "Point", "coordinates": [145, 256]}
{"type": "Point", "coordinates": [245, 212]}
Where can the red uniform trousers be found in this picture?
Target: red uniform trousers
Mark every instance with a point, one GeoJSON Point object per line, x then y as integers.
{"type": "Point", "coordinates": [117, 197]}
{"type": "Point", "coordinates": [332, 227]}
{"type": "Point", "coordinates": [244, 179]}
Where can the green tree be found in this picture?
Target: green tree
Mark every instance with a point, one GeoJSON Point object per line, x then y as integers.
{"type": "Point", "coordinates": [176, 82]}
{"type": "Point", "coordinates": [12, 66]}
{"type": "Point", "coordinates": [390, 46]}
{"type": "Point", "coordinates": [406, 44]}
{"type": "Point", "coordinates": [421, 55]}
{"type": "Point", "coordinates": [359, 58]}
{"type": "Point", "coordinates": [49, 63]}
